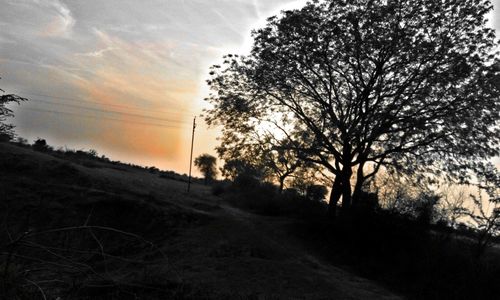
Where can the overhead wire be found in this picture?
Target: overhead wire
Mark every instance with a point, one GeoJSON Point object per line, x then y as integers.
{"type": "Point", "coordinates": [101, 118]}
{"type": "Point", "coordinates": [109, 111]}
{"type": "Point", "coordinates": [178, 110]}
{"type": "Point", "coordinates": [168, 122]}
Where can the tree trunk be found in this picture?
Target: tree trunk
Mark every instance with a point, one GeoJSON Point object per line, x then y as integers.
{"type": "Point", "coordinates": [346, 188]}
{"type": "Point", "coordinates": [335, 197]}
{"type": "Point", "coordinates": [282, 184]}
{"type": "Point", "coordinates": [358, 188]}
{"type": "Point", "coordinates": [346, 177]}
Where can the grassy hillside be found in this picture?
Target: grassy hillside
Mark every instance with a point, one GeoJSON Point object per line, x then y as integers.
{"type": "Point", "coordinates": [79, 230]}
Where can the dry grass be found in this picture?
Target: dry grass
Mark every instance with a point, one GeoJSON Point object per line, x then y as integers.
{"type": "Point", "coordinates": [117, 232]}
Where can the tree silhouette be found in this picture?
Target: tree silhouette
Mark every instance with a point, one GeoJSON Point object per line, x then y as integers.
{"type": "Point", "coordinates": [360, 85]}
{"type": "Point", "coordinates": [7, 130]}
{"type": "Point", "coordinates": [206, 163]}
{"type": "Point", "coordinates": [262, 154]}
{"type": "Point", "coordinates": [484, 213]}
{"type": "Point", "coordinates": [233, 168]}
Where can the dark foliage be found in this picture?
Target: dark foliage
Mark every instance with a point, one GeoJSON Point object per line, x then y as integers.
{"type": "Point", "coordinates": [265, 198]}
{"type": "Point", "coordinates": [358, 85]}
{"type": "Point", "coordinates": [405, 251]}
{"type": "Point", "coordinates": [316, 192]}
{"type": "Point", "coordinates": [220, 188]}
{"type": "Point", "coordinates": [419, 261]}
{"type": "Point", "coordinates": [67, 234]}
{"type": "Point", "coordinates": [41, 145]}
{"type": "Point", "coordinates": [7, 130]}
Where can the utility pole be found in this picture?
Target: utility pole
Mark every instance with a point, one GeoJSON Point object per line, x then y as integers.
{"type": "Point", "coordinates": [191, 157]}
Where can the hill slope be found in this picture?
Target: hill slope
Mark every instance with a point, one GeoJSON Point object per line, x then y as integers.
{"type": "Point", "coordinates": [103, 232]}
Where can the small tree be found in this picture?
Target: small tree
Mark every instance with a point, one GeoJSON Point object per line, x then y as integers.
{"type": "Point", "coordinates": [206, 163]}
{"type": "Point", "coordinates": [7, 130]}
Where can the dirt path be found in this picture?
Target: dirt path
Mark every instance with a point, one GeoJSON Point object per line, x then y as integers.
{"type": "Point", "coordinates": [234, 253]}
{"type": "Point", "coordinates": [239, 253]}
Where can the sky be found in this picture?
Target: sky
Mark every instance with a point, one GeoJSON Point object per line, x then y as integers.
{"type": "Point", "coordinates": [123, 77]}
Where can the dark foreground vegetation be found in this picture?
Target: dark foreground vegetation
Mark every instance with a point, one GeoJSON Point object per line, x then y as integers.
{"type": "Point", "coordinates": [410, 254]}
{"type": "Point", "coordinates": [70, 233]}
{"type": "Point", "coordinates": [100, 232]}
{"type": "Point", "coordinates": [72, 228]}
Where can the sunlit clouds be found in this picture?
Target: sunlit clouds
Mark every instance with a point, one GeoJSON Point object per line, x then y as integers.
{"type": "Point", "coordinates": [129, 73]}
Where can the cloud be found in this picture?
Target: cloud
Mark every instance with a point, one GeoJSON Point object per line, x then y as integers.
{"type": "Point", "coordinates": [151, 55]}
{"type": "Point", "coordinates": [139, 74]}
{"type": "Point", "coordinates": [140, 69]}
{"type": "Point", "coordinates": [61, 23]}
{"type": "Point", "coordinates": [96, 53]}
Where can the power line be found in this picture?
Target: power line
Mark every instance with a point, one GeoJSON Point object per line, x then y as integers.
{"type": "Point", "coordinates": [101, 118]}
{"type": "Point", "coordinates": [104, 104]}
{"type": "Point", "coordinates": [111, 111]}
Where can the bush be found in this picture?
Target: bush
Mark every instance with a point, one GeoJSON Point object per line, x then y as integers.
{"type": "Point", "coordinates": [153, 170]}
{"type": "Point", "coordinates": [218, 189]}
{"type": "Point", "coordinates": [265, 199]}
{"type": "Point", "coordinates": [316, 192]}
{"type": "Point", "coordinates": [21, 141]}
{"type": "Point", "coordinates": [246, 182]}
{"type": "Point", "coordinates": [40, 145]}
{"type": "Point", "coordinates": [366, 203]}
{"type": "Point", "coordinates": [93, 153]}
{"type": "Point", "coordinates": [4, 137]}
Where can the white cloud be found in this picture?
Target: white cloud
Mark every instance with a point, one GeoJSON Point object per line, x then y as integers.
{"type": "Point", "coordinates": [96, 53]}
{"type": "Point", "coordinates": [62, 22]}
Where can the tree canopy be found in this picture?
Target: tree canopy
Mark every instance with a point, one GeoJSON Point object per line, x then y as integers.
{"type": "Point", "coordinates": [357, 85]}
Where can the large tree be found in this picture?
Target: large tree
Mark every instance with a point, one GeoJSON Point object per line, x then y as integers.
{"type": "Point", "coordinates": [357, 85]}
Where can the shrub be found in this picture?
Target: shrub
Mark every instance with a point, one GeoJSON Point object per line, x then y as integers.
{"type": "Point", "coordinates": [264, 199]}
{"type": "Point", "coordinates": [218, 189]}
{"type": "Point", "coordinates": [246, 182]}
{"type": "Point", "coordinates": [93, 153]}
{"type": "Point", "coordinates": [366, 202]}
{"type": "Point", "coordinates": [40, 145]}
{"type": "Point", "coordinates": [22, 141]}
{"type": "Point", "coordinates": [153, 170]}
{"type": "Point", "coordinates": [316, 192]}
{"type": "Point", "coordinates": [4, 137]}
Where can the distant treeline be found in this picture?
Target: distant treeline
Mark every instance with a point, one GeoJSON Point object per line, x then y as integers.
{"type": "Point", "coordinates": [91, 159]}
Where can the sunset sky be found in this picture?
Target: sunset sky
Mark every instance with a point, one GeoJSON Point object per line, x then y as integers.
{"type": "Point", "coordinates": [123, 77]}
